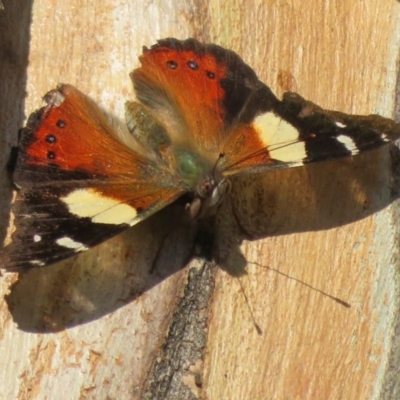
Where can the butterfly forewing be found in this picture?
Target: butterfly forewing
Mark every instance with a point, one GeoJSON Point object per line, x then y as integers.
{"type": "Point", "coordinates": [78, 185]}
{"type": "Point", "coordinates": [295, 132]}
{"type": "Point", "coordinates": [224, 108]}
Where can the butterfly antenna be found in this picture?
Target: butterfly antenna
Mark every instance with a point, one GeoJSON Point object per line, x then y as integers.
{"type": "Point", "coordinates": [259, 152]}
{"type": "Point", "coordinates": [336, 299]}
{"type": "Point", "coordinates": [258, 328]}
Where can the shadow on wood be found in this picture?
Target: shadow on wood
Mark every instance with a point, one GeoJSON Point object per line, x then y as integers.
{"type": "Point", "coordinates": [318, 197]}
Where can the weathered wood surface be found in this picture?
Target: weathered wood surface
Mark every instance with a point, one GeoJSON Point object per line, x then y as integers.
{"type": "Point", "coordinates": [94, 327]}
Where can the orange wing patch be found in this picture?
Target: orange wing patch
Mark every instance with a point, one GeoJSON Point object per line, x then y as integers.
{"type": "Point", "coordinates": [73, 134]}
{"type": "Point", "coordinates": [191, 83]}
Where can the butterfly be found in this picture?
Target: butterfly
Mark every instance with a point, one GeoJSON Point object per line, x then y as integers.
{"type": "Point", "coordinates": [202, 117]}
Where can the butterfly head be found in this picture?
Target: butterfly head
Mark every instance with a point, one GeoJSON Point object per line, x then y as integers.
{"type": "Point", "coordinates": [208, 194]}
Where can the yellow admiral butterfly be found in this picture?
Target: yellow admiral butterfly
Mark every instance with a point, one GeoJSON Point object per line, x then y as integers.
{"type": "Point", "coordinates": [202, 117]}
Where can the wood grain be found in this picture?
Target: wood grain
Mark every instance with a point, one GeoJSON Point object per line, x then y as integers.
{"type": "Point", "coordinates": [101, 327]}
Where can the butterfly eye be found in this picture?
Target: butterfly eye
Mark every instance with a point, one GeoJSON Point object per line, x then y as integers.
{"type": "Point", "coordinates": [51, 139]}
{"type": "Point", "coordinates": [210, 74]}
{"type": "Point", "coordinates": [172, 64]}
{"type": "Point", "coordinates": [61, 124]}
{"type": "Point", "coordinates": [192, 65]}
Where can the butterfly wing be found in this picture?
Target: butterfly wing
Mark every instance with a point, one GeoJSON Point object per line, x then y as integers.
{"type": "Point", "coordinates": [78, 185]}
{"type": "Point", "coordinates": [194, 91]}
{"type": "Point", "coordinates": [296, 132]}
{"type": "Point", "coordinates": [211, 98]}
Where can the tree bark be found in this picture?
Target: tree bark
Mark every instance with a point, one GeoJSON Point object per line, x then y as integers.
{"type": "Point", "coordinates": [321, 279]}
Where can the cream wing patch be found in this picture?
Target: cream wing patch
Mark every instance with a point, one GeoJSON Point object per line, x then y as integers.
{"type": "Point", "coordinates": [281, 138]}
{"type": "Point", "coordinates": [88, 203]}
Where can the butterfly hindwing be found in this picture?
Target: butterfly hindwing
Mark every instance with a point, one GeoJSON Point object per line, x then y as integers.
{"type": "Point", "coordinates": [195, 91]}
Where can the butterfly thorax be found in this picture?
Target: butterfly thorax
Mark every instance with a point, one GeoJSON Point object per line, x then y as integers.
{"type": "Point", "coordinates": [203, 180]}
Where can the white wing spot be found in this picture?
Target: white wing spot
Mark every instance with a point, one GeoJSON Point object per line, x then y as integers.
{"type": "Point", "coordinates": [340, 124]}
{"type": "Point", "coordinates": [37, 238]}
{"type": "Point", "coordinates": [280, 137]}
{"type": "Point", "coordinates": [38, 263]}
{"type": "Point", "coordinates": [348, 142]}
{"type": "Point", "coordinates": [88, 203]}
{"type": "Point", "coordinates": [71, 244]}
